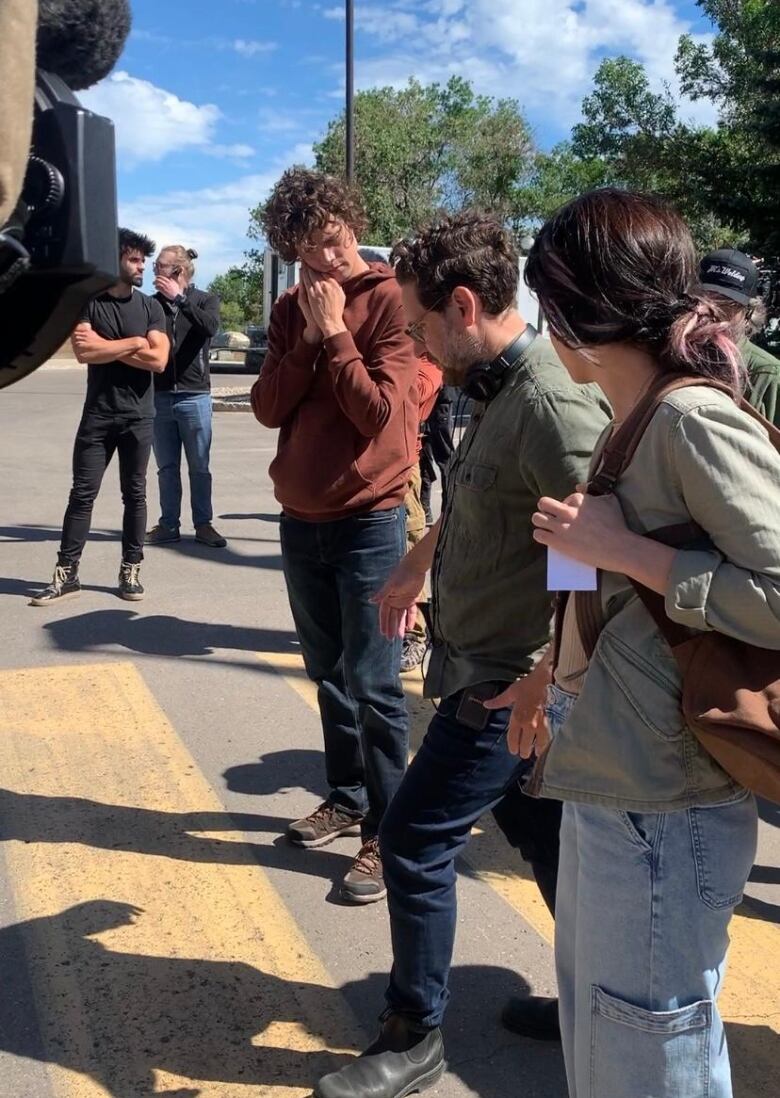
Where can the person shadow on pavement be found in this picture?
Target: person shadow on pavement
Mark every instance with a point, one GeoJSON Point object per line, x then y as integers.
{"type": "Point", "coordinates": [34, 818]}
{"type": "Point", "coordinates": [162, 635]}
{"type": "Point", "coordinates": [296, 768]}
{"type": "Point", "coordinates": [120, 1017]}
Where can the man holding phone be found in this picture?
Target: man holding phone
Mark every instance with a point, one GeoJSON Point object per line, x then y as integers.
{"type": "Point", "coordinates": [340, 382]}
{"type": "Point", "coordinates": [182, 398]}
{"type": "Point", "coordinates": [532, 430]}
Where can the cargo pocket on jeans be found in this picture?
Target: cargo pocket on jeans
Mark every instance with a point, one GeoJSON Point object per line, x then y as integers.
{"type": "Point", "coordinates": [660, 1053]}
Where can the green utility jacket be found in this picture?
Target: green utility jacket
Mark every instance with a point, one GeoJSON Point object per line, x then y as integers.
{"type": "Point", "coordinates": [625, 744]}
{"type": "Point", "coordinates": [763, 390]}
{"type": "Point", "coordinates": [491, 609]}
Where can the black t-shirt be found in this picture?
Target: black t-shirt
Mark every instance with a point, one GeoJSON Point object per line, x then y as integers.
{"type": "Point", "coordinates": [114, 388]}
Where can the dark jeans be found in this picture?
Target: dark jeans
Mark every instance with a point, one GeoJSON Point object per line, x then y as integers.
{"type": "Point", "coordinates": [97, 438]}
{"type": "Point", "coordinates": [332, 569]}
{"type": "Point", "coordinates": [183, 419]}
{"type": "Point", "coordinates": [454, 778]}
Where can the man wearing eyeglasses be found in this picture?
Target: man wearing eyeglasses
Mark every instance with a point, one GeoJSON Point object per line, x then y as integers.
{"type": "Point", "coordinates": [182, 398]}
{"type": "Point", "coordinates": [531, 434]}
{"type": "Point", "coordinates": [340, 382]}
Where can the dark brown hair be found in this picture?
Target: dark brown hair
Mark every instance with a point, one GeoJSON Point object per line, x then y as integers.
{"type": "Point", "coordinates": [130, 241]}
{"type": "Point", "coordinates": [301, 203]}
{"type": "Point", "coordinates": [468, 249]}
{"type": "Point", "coordinates": [613, 266]}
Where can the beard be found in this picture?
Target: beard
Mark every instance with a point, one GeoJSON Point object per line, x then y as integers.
{"type": "Point", "coordinates": [460, 352]}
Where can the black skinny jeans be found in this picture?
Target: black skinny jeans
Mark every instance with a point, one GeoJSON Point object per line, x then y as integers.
{"type": "Point", "coordinates": [97, 438]}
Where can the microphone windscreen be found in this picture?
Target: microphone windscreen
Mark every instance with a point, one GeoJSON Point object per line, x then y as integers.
{"type": "Point", "coordinates": [17, 64]}
{"type": "Point", "coordinates": [81, 40]}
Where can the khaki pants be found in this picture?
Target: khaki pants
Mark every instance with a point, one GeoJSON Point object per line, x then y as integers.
{"type": "Point", "coordinates": [415, 531]}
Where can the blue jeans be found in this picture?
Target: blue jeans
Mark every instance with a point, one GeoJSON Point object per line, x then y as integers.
{"type": "Point", "coordinates": [644, 904]}
{"type": "Point", "coordinates": [183, 419]}
{"type": "Point", "coordinates": [455, 777]}
{"type": "Point", "coordinates": [332, 569]}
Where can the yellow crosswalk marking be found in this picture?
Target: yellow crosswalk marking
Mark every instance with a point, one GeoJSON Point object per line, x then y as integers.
{"type": "Point", "coordinates": [750, 1000]}
{"type": "Point", "coordinates": [162, 959]}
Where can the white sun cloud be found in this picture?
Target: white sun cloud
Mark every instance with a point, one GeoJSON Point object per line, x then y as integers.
{"type": "Point", "coordinates": [250, 47]}
{"type": "Point", "coordinates": [231, 152]}
{"type": "Point", "coordinates": [542, 52]}
{"type": "Point", "coordinates": [213, 220]}
{"type": "Point", "coordinates": [150, 121]}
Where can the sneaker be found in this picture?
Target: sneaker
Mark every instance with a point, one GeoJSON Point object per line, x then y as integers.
{"type": "Point", "coordinates": [160, 535]}
{"type": "Point", "coordinates": [64, 585]}
{"type": "Point", "coordinates": [413, 652]}
{"type": "Point", "coordinates": [365, 884]}
{"type": "Point", "coordinates": [534, 1016]}
{"type": "Point", "coordinates": [129, 582]}
{"type": "Point", "coordinates": [404, 1059]}
{"type": "Point", "coordinates": [322, 826]}
{"type": "Point", "coordinates": [207, 535]}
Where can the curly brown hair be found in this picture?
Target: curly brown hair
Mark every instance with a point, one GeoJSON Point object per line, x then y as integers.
{"type": "Point", "coordinates": [301, 203]}
{"type": "Point", "coordinates": [470, 249]}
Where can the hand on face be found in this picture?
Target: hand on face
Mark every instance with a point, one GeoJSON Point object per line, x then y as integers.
{"type": "Point", "coordinates": [168, 287]}
{"type": "Point", "coordinates": [311, 333]}
{"type": "Point", "coordinates": [325, 301]}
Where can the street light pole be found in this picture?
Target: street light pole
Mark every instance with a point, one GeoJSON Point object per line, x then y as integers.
{"type": "Point", "coordinates": [350, 61]}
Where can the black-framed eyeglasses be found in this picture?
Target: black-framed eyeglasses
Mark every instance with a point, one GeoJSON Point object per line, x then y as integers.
{"type": "Point", "coordinates": [157, 267]}
{"type": "Point", "coordinates": [416, 330]}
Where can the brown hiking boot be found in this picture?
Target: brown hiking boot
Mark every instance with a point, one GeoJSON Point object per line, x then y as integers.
{"type": "Point", "coordinates": [322, 826]}
{"type": "Point", "coordinates": [365, 884]}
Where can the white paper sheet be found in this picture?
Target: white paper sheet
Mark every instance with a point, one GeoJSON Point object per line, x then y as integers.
{"type": "Point", "coordinates": [566, 574]}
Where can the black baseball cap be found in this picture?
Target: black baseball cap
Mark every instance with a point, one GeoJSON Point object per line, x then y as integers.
{"type": "Point", "coordinates": [730, 273]}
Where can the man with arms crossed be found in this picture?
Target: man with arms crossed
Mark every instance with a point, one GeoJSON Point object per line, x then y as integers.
{"type": "Point", "coordinates": [340, 381]}
{"type": "Point", "coordinates": [122, 339]}
{"type": "Point", "coordinates": [532, 432]}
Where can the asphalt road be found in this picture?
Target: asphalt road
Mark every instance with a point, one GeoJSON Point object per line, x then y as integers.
{"type": "Point", "coordinates": [157, 935]}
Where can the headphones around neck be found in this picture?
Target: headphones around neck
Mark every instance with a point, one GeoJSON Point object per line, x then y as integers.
{"type": "Point", "coordinates": [484, 380]}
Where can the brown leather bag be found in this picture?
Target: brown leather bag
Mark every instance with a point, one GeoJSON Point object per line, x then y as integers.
{"type": "Point", "coordinates": [731, 690]}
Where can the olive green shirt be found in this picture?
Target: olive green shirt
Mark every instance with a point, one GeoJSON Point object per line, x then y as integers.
{"type": "Point", "coordinates": [763, 390]}
{"type": "Point", "coordinates": [491, 608]}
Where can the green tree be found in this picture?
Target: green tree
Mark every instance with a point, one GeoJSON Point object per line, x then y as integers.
{"type": "Point", "coordinates": [638, 134]}
{"type": "Point", "coordinates": [555, 178]}
{"type": "Point", "coordinates": [240, 291]}
{"type": "Point", "coordinates": [740, 73]}
{"type": "Point", "coordinates": [421, 148]}
{"type": "Point", "coordinates": [624, 121]}
{"type": "Point", "coordinates": [632, 136]}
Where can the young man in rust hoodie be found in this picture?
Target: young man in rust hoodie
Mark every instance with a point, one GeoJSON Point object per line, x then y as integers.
{"type": "Point", "coordinates": [340, 383]}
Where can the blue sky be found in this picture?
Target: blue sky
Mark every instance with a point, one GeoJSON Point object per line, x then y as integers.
{"type": "Point", "coordinates": [212, 100]}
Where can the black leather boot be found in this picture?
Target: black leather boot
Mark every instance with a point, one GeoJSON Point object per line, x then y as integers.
{"type": "Point", "coordinates": [534, 1016]}
{"type": "Point", "coordinates": [404, 1059]}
